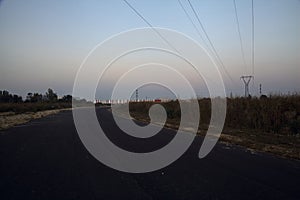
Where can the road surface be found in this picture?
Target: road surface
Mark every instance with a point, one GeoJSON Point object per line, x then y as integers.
{"type": "Point", "coordinates": [45, 159]}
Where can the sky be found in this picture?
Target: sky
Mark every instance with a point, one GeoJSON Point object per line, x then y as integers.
{"type": "Point", "coordinates": [43, 43]}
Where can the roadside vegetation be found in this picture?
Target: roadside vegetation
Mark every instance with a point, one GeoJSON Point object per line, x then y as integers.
{"type": "Point", "coordinates": [270, 124]}
{"type": "Point", "coordinates": [35, 102]}
{"type": "Point", "coordinates": [14, 110]}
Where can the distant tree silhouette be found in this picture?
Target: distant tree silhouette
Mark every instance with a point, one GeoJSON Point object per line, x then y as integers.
{"type": "Point", "coordinates": [17, 99]}
{"type": "Point", "coordinates": [263, 96]}
{"type": "Point", "coordinates": [66, 98]}
{"type": "Point", "coordinates": [51, 96]}
{"type": "Point", "coordinates": [5, 97]}
{"type": "Point", "coordinates": [36, 97]}
{"type": "Point", "coordinates": [28, 97]}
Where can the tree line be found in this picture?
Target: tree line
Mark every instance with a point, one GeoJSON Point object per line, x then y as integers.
{"type": "Point", "coordinates": [50, 96]}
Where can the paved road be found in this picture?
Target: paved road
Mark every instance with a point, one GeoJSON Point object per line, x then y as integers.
{"type": "Point", "coordinates": [45, 159]}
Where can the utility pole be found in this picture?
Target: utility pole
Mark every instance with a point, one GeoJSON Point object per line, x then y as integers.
{"type": "Point", "coordinates": [246, 80]}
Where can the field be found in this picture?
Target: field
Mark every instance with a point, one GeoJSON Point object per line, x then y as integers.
{"type": "Point", "coordinates": [269, 124]}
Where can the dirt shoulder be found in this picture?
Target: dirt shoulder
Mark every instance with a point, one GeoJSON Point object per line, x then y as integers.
{"type": "Point", "coordinates": [287, 146]}
{"type": "Point", "coordinates": [10, 119]}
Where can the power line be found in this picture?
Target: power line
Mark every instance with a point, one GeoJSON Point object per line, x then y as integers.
{"type": "Point", "coordinates": [247, 79]}
{"type": "Point", "coordinates": [240, 35]}
{"type": "Point", "coordinates": [253, 47]}
{"type": "Point", "coordinates": [253, 43]}
{"type": "Point", "coordinates": [154, 29]}
{"type": "Point", "coordinates": [150, 25]}
{"type": "Point", "coordinates": [210, 42]}
{"type": "Point", "coordinates": [194, 25]}
{"type": "Point", "coordinates": [140, 15]}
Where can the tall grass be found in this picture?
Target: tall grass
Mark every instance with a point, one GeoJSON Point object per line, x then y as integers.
{"type": "Point", "coordinates": [275, 114]}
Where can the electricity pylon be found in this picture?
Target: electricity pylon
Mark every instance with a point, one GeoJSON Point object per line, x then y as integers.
{"type": "Point", "coordinates": [136, 95]}
{"type": "Point", "coordinates": [246, 80]}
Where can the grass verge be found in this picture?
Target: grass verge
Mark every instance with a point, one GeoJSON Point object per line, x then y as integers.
{"type": "Point", "coordinates": [10, 119]}
{"type": "Point", "coordinates": [287, 145]}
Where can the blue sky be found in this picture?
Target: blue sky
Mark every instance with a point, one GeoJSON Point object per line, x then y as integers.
{"type": "Point", "coordinates": [42, 43]}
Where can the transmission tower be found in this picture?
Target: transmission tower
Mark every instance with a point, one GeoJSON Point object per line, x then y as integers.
{"type": "Point", "coordinates": [260, 89]}
{"type": "Point", "coordinates": [246, 80]}
{"type": "Point", "coordinates": [136, 95]}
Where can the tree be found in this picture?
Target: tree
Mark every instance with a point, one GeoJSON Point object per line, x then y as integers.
{"type": "Point", "coordinates": [6, 97]}
{"type": "Point", "coordinates": [37, 97]}
{"type": "Point", "coordinates": [28, 97]}
{"type": "Point", "coordinates": [67, 98]}
{"type": "Point", "coordinates": [34, 97]}
{"type": "Point", "coordinates": [17, 99]}
{"type": "Point", "coordinates": [51, 96]}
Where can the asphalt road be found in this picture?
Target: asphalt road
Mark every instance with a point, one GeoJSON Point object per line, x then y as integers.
{"type": "Point", "coordinates": [45, 159]}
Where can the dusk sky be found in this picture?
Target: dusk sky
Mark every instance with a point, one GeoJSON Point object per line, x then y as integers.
{"type": "Point", "coordinates": [43, 43]}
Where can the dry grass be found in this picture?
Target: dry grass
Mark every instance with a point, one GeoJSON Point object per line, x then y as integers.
{"type": "Point", "coordinates": [12, 114]}
{"type": "Point", "coordinates": [10, 119]}
{"type": "Point", "coordinates": [287, 146]}
{"type": "Point", "coordinates": [268, 125]}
